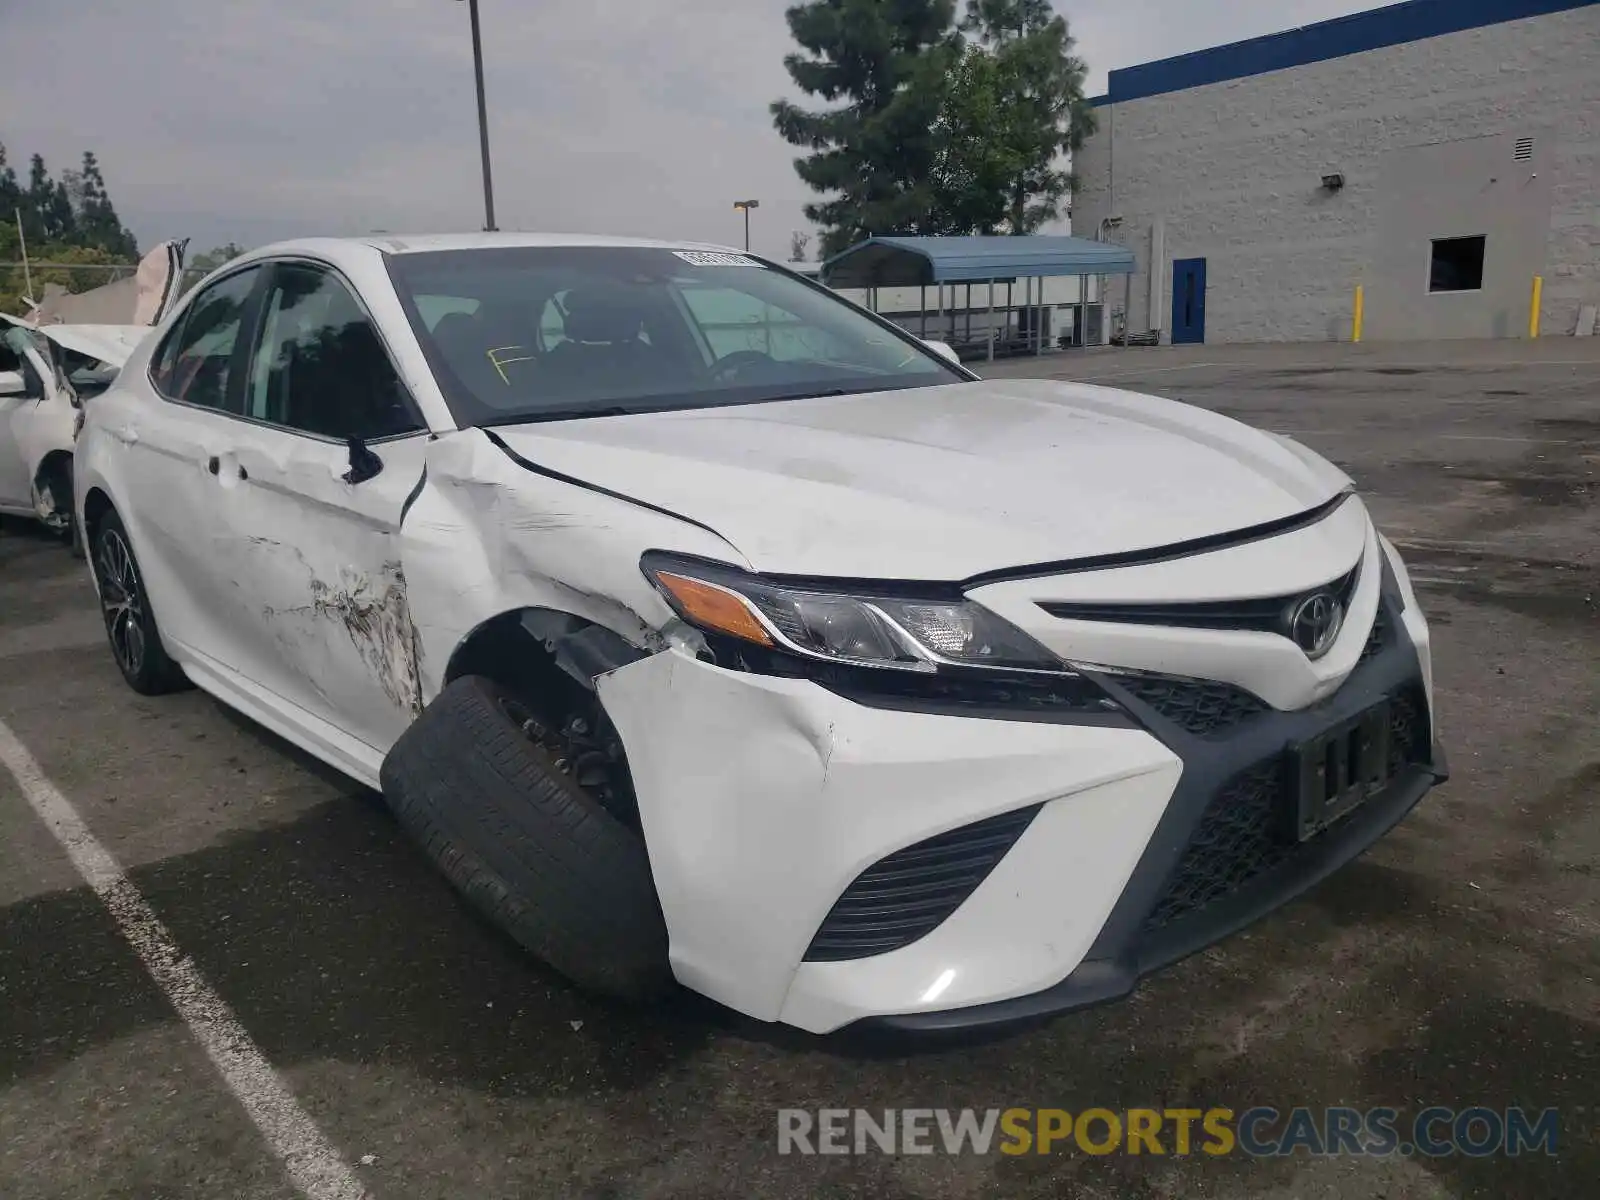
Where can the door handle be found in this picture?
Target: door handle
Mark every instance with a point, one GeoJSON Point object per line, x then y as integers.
{"type": "Point", "coordinates": [214, 464]}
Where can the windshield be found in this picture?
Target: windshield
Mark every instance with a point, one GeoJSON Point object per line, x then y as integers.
{"type": "Point", "coordinates": [543, 332]}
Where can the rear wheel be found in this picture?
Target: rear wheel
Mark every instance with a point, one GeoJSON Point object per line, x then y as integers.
{"type": "Point", "coordinates": [130, 622]}
{"type": "Point", "coordinates": [537, 853]}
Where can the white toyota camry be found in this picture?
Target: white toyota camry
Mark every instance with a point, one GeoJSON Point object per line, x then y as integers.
{"type": "Point", "coordinates": [705, 627]}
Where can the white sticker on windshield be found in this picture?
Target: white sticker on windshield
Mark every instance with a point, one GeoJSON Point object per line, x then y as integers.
{"type": "Point", "coordinates": [715, 258]}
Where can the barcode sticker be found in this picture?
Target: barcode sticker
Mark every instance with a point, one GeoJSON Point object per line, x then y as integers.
{"type": "Point", "coordinates": [715, 258]}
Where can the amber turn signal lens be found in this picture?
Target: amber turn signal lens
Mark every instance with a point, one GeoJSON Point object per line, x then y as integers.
{"type": "Point", "coordinates": [715, 608]}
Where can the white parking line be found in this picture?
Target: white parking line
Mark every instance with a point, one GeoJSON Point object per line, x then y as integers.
{"type": "Point", "coordinates": [314, 1166]}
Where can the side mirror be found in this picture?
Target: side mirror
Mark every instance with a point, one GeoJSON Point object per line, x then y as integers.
{"type": "Point", "coordinates": [942, 349]}
{"type": "Point", "coordinates": [12, 384]}
{"type": "Point", "coordinates": [364, 464]}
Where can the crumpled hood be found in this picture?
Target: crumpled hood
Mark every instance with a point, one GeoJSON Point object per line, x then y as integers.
{"type": "Point", "coordinates": [943, 483]}
{"type": "Point", "coordinates": [113, 344]}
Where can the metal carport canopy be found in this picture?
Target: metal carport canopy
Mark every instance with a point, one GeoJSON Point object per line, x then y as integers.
{"type": "Point", "coordinates": [918, 261]}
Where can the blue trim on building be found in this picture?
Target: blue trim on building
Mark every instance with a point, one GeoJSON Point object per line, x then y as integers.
{"type": "Point", "coordinates": [1394, 25]}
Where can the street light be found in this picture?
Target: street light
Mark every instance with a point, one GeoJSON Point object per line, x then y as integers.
{"type": "Point", "coordinates": [745, 206]}
{"type": "Point", "coordinates": [483, 120]}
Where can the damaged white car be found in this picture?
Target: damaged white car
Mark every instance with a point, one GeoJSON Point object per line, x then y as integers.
{"type": "Point", "coordinates": [45, 375]}
{"type": "Point", "coordinates": [704, 627]}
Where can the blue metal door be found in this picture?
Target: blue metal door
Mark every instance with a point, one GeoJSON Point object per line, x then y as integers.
{"type": "Point", "coordinates": [1188, 300]}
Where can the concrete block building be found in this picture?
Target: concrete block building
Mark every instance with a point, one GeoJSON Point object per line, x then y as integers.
{"type": "Point", "coordinates": [1440, 155]}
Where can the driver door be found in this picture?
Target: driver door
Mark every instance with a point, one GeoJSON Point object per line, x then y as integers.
{"type": "Point", "coordinates": [310, 486]}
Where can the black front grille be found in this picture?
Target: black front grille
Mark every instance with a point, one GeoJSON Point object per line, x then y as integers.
{"type": "Point", "coordinates": [911, 892]}
{"type": "Point", "coordinates": [1246, 829]}
{"type": "Point", "coordinates": [1266, 614]}
{"type": "Point", "coordinates": [1206, 707]}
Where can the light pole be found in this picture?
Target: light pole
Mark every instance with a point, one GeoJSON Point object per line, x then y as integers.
{"type": "Point", "coordinates": [745, 206]}
{"type": "Point", "coordinates": [483, 120]}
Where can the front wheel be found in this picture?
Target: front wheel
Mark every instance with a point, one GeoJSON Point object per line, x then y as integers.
{"type": "Point", "coordinates": [130, 622]}
{"type": "Point", "coordinates": [527, 845]}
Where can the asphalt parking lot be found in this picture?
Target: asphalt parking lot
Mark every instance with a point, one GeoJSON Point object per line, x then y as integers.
{"type": "Point", "coordinates": [1457, 964]}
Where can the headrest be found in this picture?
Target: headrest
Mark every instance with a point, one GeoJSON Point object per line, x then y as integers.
{"type": "Point", "coordinates": [603, 316]}
{"type": "Point", "coordinates": [455, 327]}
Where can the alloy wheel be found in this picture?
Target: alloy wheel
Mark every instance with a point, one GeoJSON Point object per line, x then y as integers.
{"type": "Point", "coordinates": [122, 602]}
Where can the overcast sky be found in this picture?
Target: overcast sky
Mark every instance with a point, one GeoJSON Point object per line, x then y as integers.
{"type": "Point", "coordinates": [253, 120]}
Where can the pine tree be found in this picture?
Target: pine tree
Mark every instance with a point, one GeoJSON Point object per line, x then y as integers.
{"type": "Point", "coordinates": [98, 223]}
{"type": "Point", "coordinates": [872, 156]}
{"type": "Point", "coordinates": [1048, 116]}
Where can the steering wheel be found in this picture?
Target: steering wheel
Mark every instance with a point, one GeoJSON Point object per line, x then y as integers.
{"type": "Point", "coordinates": [730, 365]}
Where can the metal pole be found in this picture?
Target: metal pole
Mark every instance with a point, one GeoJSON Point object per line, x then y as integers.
{"type": "Point", "coordinates": [483, 120]}
{"type": "Point", "coordinates": [27, 275]}
{"type": "Point", "coordinates": [922, 311]}
{"type": "Point", "coordinates": [991, 320]}
{"type": "Point", "coordinates": [747, 229]}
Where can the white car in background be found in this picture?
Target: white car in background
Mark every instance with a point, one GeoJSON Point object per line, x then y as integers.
{"type": "Point", "coordinates": [48, 367]}
{"type": "Point", "coordinates": [703, 626]}
{"type": "Point", "coordinates": [46, 373]}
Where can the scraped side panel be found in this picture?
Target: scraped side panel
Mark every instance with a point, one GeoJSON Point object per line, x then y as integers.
{"type": "Point", "coordinates": [485, 536]}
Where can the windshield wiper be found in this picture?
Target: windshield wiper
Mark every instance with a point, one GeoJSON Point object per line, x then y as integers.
{"type": "Point", "coordinates": [567, 414]}
{"type": "Point", "coordinates": [804, 395]}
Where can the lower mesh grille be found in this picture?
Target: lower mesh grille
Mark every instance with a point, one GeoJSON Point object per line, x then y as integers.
{"type": "Point", "coordinates": [911, 892]}
{"type": "Point", "coordinates": [1238, 838]}
{"type": "Point", "coordinates": [1245, 829]}
{"type": "Point", "coordinates": [1410, 735]}
{"type": "Point", "coordinates": [1202, 706]}
{"type": "Point", "coordinates": [1378, 638]}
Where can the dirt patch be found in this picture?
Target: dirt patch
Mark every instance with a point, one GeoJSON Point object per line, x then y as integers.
{"type": "Point", "coordinates": [1582, 426]}
{"type": "Point", "coordinates": [1548, 492]}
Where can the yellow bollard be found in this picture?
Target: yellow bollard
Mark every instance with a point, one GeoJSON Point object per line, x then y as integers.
{"type": "Point", "coordinates": [1533, 311]}
{"type": "Point", "coordinates": [1361, 312]}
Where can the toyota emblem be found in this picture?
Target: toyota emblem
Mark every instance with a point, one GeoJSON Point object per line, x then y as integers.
{"type": "Point", "coordinates": [1314, 622]}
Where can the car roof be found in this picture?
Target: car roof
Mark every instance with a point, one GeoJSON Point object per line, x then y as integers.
{"type": "Point", "coordinates": [388, 243]}
{"type": "Point", "coordinates": [362, 258]}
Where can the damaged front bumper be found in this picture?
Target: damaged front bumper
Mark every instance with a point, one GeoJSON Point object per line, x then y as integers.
{"type": "Point", "coordinates": [763, 798]}
{"type": "Point", "coordinates": [797, 838]}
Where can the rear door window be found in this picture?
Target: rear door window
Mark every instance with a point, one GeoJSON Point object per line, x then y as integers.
{"type": "Point", "coordinates": [195, 363]}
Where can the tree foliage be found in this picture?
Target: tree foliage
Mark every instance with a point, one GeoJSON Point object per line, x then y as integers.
{"type": "Point", "coordinates": [1031, 48]}
{"type": "Point", "coordinates": [70, 220]}
{"type": "Point", "coordinates": [879, 65]}
{"type": "Point", "coordinates": [198, 266]}
{"type": "Point", "coordinates": [931, 127]}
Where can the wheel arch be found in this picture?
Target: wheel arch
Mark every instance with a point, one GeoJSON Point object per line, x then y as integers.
{"type": "Point", "coordinates": [544, 648]}
{"type": "Point", "coordinates": [54, 474]}
{"type": "Point", "coordinates": [96, 504]}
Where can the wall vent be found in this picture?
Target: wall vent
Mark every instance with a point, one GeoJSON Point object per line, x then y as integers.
{"type": "Point", "coordinates": [1524, 150]}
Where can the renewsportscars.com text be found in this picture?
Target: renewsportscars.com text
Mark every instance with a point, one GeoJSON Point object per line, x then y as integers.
{"type": "Point", "coordinates": [1258, 1132]}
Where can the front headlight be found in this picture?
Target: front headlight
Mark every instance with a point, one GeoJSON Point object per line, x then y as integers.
{"type": "Point", "coordinates": [849, 626]}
